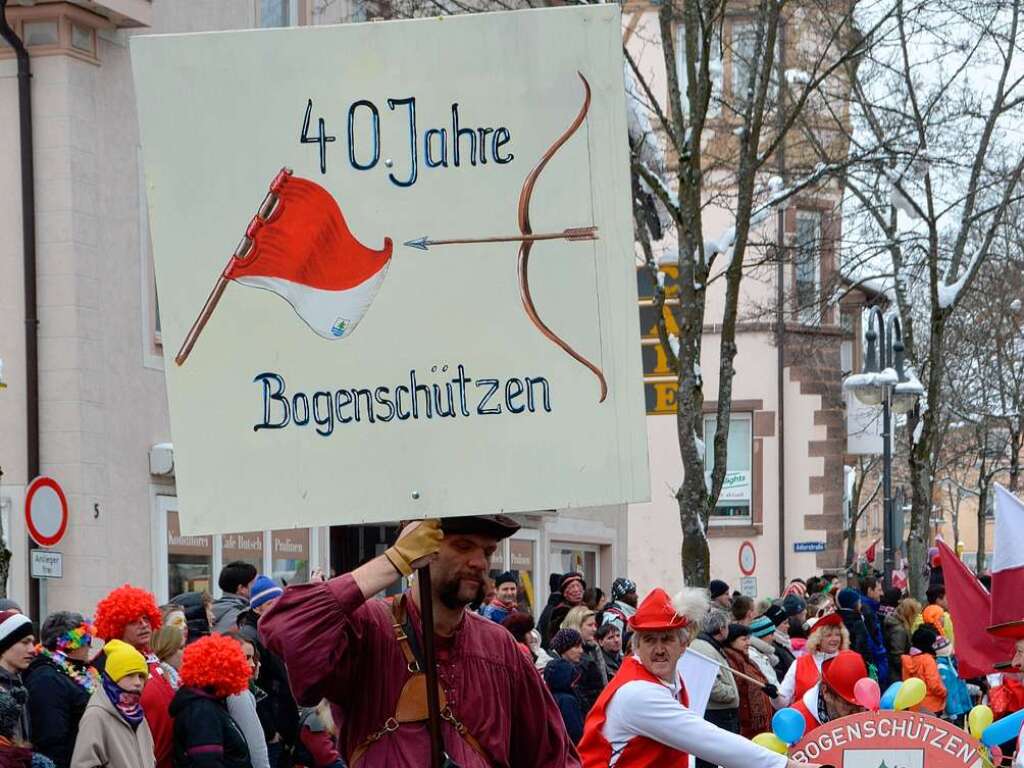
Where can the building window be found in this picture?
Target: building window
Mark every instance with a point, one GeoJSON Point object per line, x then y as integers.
{"type": "Point", "coordinates": [714, 69]}
{"type": "Point", "coordinates": [41, 33]}
{"type": "Point", "coordinates": [243, 547]}
{"type": "Point", "coordinates": [735, 500]}
{"type": "Point", "coordinates": [807, 267]}
{"type": "Point", "coordinates": [83, 38]}
{"type": "Point", "coordinates": [576, 558]}
{"type": "Point", "coordinates": [278, 13]}
{"type": "Point", "coordinates": [744, 40]}
{"type": "Point", "coordinates": [289, 552]}
{"type": "Point", "coordinates": [189, 560]}
{"type": "Point", "coordinates": [522, 559]}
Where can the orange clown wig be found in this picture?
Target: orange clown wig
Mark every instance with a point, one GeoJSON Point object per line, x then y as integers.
{"type": "Point", "coordinates": [123, 606]}
{"type": "Point", "coordinates": [216, 664]}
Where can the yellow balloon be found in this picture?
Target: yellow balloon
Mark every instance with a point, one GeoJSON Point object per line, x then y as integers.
{"type": "Point", "coordinates": [979, 719]}
{"type": "Point", "coordinates": [911, 693]}
{"type": "Point", "coordinates": [772, 742]}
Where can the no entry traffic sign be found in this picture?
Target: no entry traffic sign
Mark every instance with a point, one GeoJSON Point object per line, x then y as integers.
{"type": "Point", "coordinates": [46, 511]}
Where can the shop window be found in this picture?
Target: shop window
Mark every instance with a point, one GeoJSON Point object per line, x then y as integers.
{"type": "Point", "coordinates": [735, 499]}
{"type": "Point", "coordinates": [243, 547]}
{"type": "Point", "coordinates": [807, 266]}
{"type": "Point", "coordinates": [522, 556]}
{"type": "Point", "coordinates": [189, 560]}
{"type": "Point", "coordinates": [578, 558]}
{"type": "Point", "coordinates": [290, 553]}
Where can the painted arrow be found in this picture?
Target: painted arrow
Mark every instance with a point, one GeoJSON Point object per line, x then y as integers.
{"type": "Point", "coordinates": [573, 233]}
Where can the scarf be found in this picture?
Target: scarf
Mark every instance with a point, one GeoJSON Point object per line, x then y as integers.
{"type": "Point", "coordinates": [81, 674]}
{"type": "Point", "coordinates": [823, 714]}
{"type": "Point", "coordinates": [171, 675]}
{"type": "Point", "coordinates": [127, 704]}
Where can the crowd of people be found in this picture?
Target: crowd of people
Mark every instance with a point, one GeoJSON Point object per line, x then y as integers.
{"type": "Point", "coordinates": [183, 685]}
{"type": "Point", "coordinates": [326, 672]}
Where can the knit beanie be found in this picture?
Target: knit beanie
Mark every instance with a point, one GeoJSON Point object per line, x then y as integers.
{"type": "Point", "coordinates": [569, 578]}
{"type": "Point", "coordinates": [717, 588]}
{"type": "Point", "coordinates": [263, 590]}
{"type": "Point", "coordinates": [794, 605]}
{"type": "Point", "coordinates": [776, 614]}
{"type": "Point", "coordinates": [565, 639]}
{"type": "Point", "coordinates": [924, 638]}
{"type": "Point", "coordinates": [14, 627]}
{"type": "Point", "coordinates": [848, 598]}
{"type": "Point", "coordinates": [122, 660]}
{"type": "Point", "coordinates": [762, 627]}
{"type": "Point", "coordinates": [737, 631]}
{"type": "Point", "coordinates": [622, 587]}
{"type": "Point", "coordinates": [11, 703]}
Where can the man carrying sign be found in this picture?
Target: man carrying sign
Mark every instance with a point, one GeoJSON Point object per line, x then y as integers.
{"type": "Point", "coordinates": [364, 655]}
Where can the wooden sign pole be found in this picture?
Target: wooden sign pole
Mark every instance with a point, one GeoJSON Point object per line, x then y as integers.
{"type": "Point", "coordinates": [430, 664]}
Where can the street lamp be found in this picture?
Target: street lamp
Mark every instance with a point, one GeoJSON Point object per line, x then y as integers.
{"type": "Point", "coordinates": [885, 382]}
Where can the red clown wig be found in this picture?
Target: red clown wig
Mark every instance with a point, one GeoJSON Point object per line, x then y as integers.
{"type": "Point", "coordinates": [123, 606]}
{"type": "Point", "coordinates": [216, 664]}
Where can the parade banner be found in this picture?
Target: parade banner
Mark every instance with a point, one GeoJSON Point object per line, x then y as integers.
{"type": "Point", "coordinates": [887, 739]}
{"type": "Point", "coordinates": [395, 268]}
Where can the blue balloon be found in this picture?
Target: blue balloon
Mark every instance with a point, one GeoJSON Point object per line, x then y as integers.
{"type": "Point", "coordinates": [1003, 730]}
{"type": "Point", "coordinates": [789, 725]}
{"type": "Point", "coordinates": [888, 700]}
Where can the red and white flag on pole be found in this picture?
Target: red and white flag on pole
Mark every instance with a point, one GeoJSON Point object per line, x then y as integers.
{"type": "Point", "coordinates": [299, 247]}
{"type": "Point", "coordinates": [969, 607]}
{"type": "Point", "coordinates": [1007, 558]}
{"type": "Point", "coordinates": [872, 552]}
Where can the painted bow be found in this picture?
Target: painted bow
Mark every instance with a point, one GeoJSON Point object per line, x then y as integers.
{"type": "Point", "coordinates": [527, 245]}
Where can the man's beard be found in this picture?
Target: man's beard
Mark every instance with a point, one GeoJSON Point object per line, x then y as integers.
{"type": "Point", "coordinates": [448, 593]}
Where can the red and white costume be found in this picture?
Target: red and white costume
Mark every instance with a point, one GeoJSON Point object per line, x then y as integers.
{"type": "Point", "coordinates": [1013, 630]}
{"type": "Point", "coordinates": [805, 672]}
{"type": "Point", "coordinates": [641, 721]}
{"type": "Point", "coordinates": [841, 675]}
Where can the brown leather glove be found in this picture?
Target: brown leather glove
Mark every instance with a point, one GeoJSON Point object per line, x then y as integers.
{"type": "Point", "coordinates": [417, 541]}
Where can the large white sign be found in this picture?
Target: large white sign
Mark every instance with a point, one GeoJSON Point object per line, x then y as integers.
{"type": "Point", "coordinates": [436, 214]}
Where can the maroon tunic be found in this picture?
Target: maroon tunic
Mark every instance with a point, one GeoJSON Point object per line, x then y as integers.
{"type": "Point", "coordinates": [341, 647]}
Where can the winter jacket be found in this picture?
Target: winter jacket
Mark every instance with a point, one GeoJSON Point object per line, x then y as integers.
{"type": "Point", "coordinates": [784, 651]}
{"type": "Point", "coordinates": [11, 681]}
{"type": "Point", "coordinates": [609, 664]}
{"type": "Point", "coordinates": [858, 630]}
{"type": "Point", "coordinates": [195, 614]}
{"type": "Point", "coordinates": [554, 599]}
{"type": "Point", "coordinates": [876, 641]}
{"type": "Point", "coordinates": [105, 740]}
{"type": "Point", "coordinates": [724, 694]}
{"type": "Point", "coordinates": [755, 707]}
{"type": "Point", "coordinates": [762, 654]}
{"type": "Point", "coordinates": [897, 643]}
{"type": "Point", "coordinates": [591, 683]}
{"type": "Point", "coordinates": [924, 666]}
{"type": "Point", "coordinates": [242, 708]}
{"type": "Point", "coordinates": [958, 700]}
{"type": "Point", "coordinates": [561, 676]}
{"type": "Point", "coordinates": [225, 612]}
{"type": "Point", "coordinates": [496, 611]}
{"type": "Point", "coordinates": [156, 698]}
{"type": "Point", "coordinates": [56, 704]}
{"type": "Point", "coordinates": [205, 736]}
{"type": "Point", "coordinates": [277, 710]}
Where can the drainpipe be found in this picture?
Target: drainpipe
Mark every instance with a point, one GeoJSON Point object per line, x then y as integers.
{"type": "Point", "coordinates": [28, 239]}
{"type": "Point", "coordinates": [780, 304]}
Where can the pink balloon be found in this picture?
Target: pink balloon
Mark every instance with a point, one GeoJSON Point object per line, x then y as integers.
{"type": "Point", "coordinates": [997, 754]}
{"type": "Point", "coordinates": [867, 693]}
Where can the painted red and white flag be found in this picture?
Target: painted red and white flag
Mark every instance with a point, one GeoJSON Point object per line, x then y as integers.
{"type": "Point", "coordinates": [1007, 558]}
{"type": "Point", "coordinates": [304, 252]}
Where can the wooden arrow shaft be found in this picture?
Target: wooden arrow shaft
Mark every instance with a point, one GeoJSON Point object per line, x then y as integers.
{"type": "Point", "coordinates": [581, 233]}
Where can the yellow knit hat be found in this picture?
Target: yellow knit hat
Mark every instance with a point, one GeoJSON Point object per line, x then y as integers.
{"type": "Point", "coordinates": [123, 660]}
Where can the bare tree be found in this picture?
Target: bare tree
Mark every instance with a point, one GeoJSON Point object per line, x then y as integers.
{"type": "Point", "coordinates": [935, 100]}
{"type": "Point", "coordinates": [725, 143]}
{"type": "Point", "coordinates": [865, 475]}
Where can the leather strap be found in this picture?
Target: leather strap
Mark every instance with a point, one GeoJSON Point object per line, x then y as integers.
{"type": "Point", "coordinates": [413, 696]}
